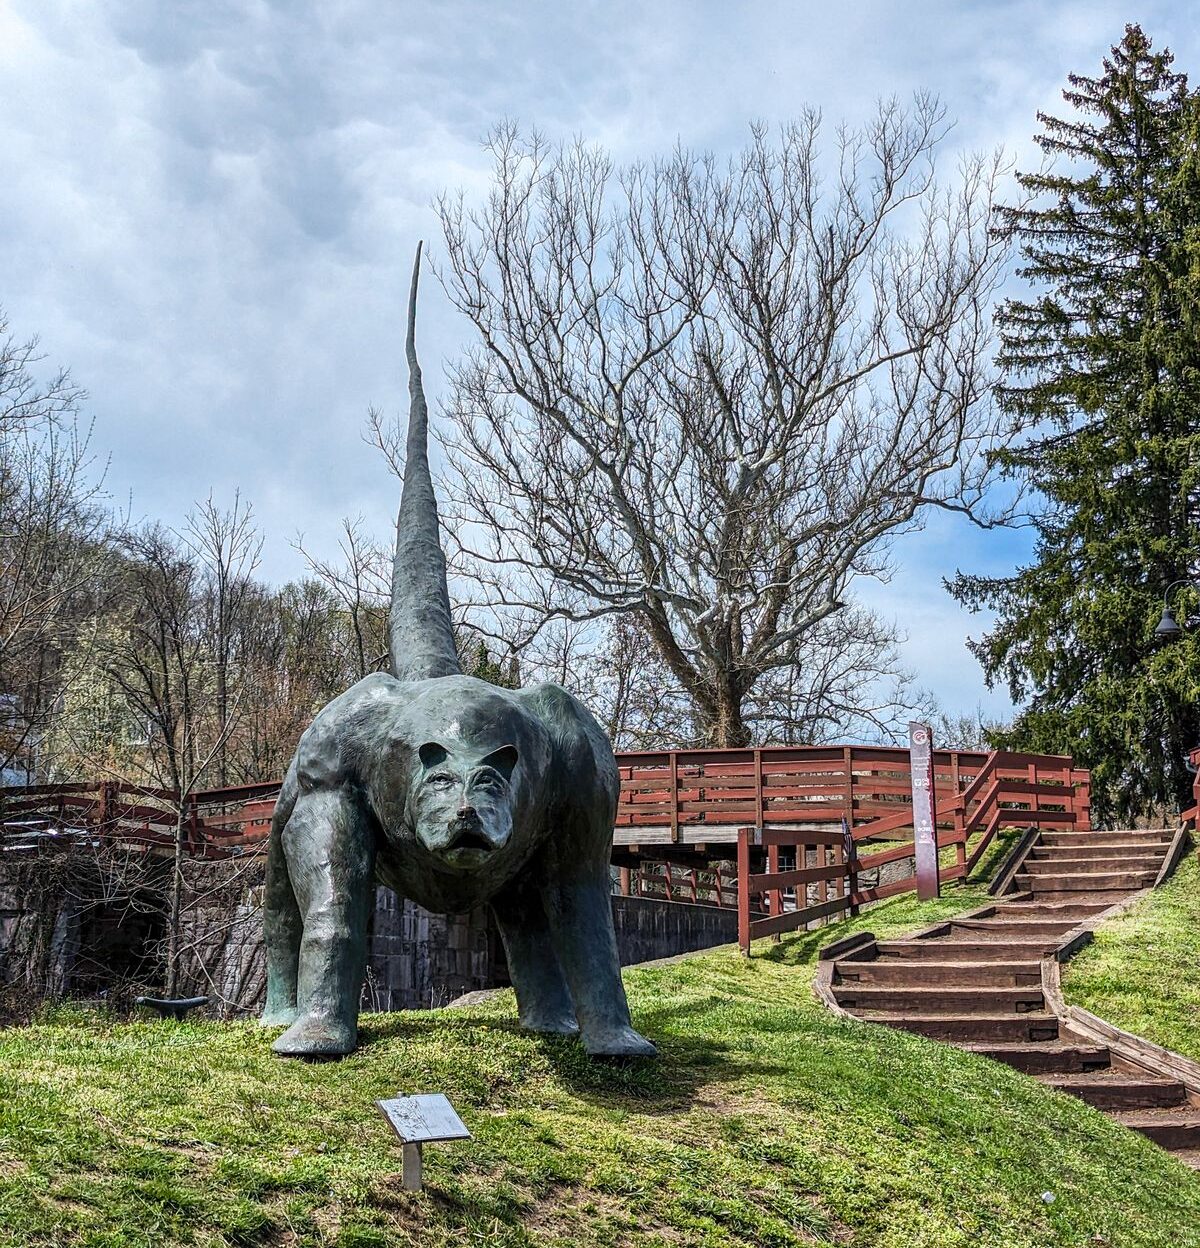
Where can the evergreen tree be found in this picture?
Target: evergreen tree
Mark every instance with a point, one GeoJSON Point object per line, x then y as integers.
{"type": "Point", "coordinates": [1102, 365]}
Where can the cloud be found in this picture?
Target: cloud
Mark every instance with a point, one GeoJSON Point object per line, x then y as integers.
{"type": "Point", "coordinates": [210, 207]}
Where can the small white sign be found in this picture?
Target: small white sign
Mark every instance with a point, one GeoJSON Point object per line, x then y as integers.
{"type": "Point", "coordinates": [423, 1119]}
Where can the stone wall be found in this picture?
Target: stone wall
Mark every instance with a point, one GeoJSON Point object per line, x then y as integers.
{"type": "Point", "coordinates": [53, 945]}
{"type": "Point", "coordinates": [419, 960]}
{"type": "Point", "coordinates": [416, 960]}
{"type": "Point", "coordinates": [648, 929]}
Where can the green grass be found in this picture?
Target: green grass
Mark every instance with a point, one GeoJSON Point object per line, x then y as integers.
{"type": "Point", "coordinates": [767, 1121]}
{"type": "Point", "coordinates": [1143, 970]}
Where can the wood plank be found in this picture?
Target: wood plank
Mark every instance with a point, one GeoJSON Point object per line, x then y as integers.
{"type": "Point", "coordinates": [798, 836]}
{"type": "Point", "coordinates": [883, 856]}
{"type": "Point", "coordinates": [906, 885]}
{"type": "Point", "coordinates": [790, 879]}
{"type": "Point", "coordinates": [794, 919]}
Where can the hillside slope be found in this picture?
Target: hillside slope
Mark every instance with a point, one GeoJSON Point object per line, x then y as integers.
{"type": "Point", "coordinates": [767, 1122]}
{"type": "Point", "coordinates": [1143, 970]}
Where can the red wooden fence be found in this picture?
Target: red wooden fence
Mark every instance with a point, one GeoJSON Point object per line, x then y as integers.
{"type": "Point", "coordinates": [694, 801]}
{"type": "Point", "coordinates": [704, 796]}
{"type": "Point", "coordinates": [974, 801]}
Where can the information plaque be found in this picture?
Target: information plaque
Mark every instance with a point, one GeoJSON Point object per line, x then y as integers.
{"type": "Point", "coordinates": [420, 1120]}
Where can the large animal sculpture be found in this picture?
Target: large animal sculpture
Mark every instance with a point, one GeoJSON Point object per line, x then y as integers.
{"type": "Point", "coordinates": [454, 793]}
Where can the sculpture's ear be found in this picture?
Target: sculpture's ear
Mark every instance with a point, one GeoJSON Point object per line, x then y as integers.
{"type": "Point", "coordinates": [502, 760]}
{"type": "Point", "coordinates": [431, 754]}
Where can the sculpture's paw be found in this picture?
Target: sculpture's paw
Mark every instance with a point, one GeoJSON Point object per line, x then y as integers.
{"type": "Point", "coordinates": [317, 1037]}
{"type": "Point", "coordinates": [279, 1016]}
{"type": "Point", "coordinates": [551, 1024]}
{"type": "Point", "coordinates": [618, 1042]}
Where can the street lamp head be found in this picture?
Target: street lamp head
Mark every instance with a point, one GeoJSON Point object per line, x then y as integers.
{"type": "Point", "coordinates": [1167, 626]}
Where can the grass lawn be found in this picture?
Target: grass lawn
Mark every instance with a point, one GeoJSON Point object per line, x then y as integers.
{"type": "Point", "coordinates": [1143, 970]}
{"type": "Point", "coordinates": [767, 1121]}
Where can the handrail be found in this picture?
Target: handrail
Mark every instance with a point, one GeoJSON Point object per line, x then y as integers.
{"type": "Point", "coordinates": [691, 797]}
{"type": "Point", "coordinates": [988, 802]}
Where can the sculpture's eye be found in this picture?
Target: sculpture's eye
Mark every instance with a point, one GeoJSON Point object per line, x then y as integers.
{"type": "Point", "coordinates": [488, 780]}
{"type": "Point", "coordinates": [440, 781]}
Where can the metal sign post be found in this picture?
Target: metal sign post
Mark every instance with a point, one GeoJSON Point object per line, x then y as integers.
{"type": "Point", "coordinates": [421, 1120]}
{"type": "Point", "coordinates": [924, 808]}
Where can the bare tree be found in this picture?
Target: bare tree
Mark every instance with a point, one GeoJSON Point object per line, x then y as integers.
{"type": "Point", "coordinates": [362, 583]}
{"type": "Point", "coordinates": [968, 730]}
{"type": "Point", "coordinates": [160, 663]}
{"type": "Point", "coordinates": [227, 547]}
{"type": "Point", "coordinates": [52, 529]}
{"type": "Point", "coordinates": [711, 396]}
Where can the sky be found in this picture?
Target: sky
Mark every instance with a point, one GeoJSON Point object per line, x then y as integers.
{"type": "Point", "coordinates": [208, 209]}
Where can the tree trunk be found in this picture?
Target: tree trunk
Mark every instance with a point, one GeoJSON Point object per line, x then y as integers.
{"type": "Point", "coordinates": [176, 899]}
{"type": "Point", "coordinates": [726, 729]}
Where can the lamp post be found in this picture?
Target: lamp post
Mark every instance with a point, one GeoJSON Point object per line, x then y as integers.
{"type": "Point", "coordinates": [1168, 626]}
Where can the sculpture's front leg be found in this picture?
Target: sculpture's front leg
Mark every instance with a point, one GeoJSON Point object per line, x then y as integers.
{"type": "Point", "coordinates": [579, 907]}
{"type": "Point", "coordinates": [543, 996]}
{"type": "Point", "coordinates": [329, 844]}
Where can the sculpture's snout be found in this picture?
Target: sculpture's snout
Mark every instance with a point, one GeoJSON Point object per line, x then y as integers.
{"type": "Point", "coordinates": [467, 831]}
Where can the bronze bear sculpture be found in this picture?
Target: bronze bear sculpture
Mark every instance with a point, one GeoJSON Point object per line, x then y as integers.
{"type": "Point", "coordinates": [454, 793]}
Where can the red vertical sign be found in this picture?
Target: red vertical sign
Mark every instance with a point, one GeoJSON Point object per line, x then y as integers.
{"type": "Point", "coordinates": [924, 805]}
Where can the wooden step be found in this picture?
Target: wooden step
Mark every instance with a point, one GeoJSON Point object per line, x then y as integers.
{"type": "Point", "coordinates": [910, 973]}
{"type": "Point", "coordinates": [1076, 911]}
{"type": "Point", "coordinates": [1104, 897]}
{"type": "Point", "coordinates": [1143, 836]}
{"type": "Point", "coordinates": [942, 999]}
{"type": "Point", "coordinates": [1013, 929]}
{"type": "Point", "coordinates": [1116, 1089]}
{"type": "Point", "coordinates": [1061, 1056]}
{"type": "Point", "coordinates": [1086, 882]}
{"type": "Point", "coordinates": [966, 949]}
{"type": "Point", "coordinates": [1061, 865]}
{"type": "Point", "coordinates": [976, 1028]}
{"type": "Point", "coordinates": [1169, 1128]}
{"type": "Point", "coordinates": [1117, 850]}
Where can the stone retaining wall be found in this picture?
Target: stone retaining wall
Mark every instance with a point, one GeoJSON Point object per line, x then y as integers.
{"type": "Point", "coordinates": [53, 945]}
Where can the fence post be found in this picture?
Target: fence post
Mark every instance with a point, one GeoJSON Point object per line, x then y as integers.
{"type": "Point", "coordinates": [760, 805]}
{"type": "Point", "coordinates": [104, 805]}
{"type": "Point", "coordinates": [674, 797]}
{"type": "Point", "coordinates": [960, 816]}
{"type": "Point", "coordinates": [1035, 800]}
{"type": "Point", "coordinates": [850, 858]}
{"type": "Point", "coordinates": [774, 895]}
{"type": "Point", "coordinates": [848, 768]}
{"type": "Point", "coordinates": [743, 889]}
{"type": "Point", "coordinates": [924, 806]}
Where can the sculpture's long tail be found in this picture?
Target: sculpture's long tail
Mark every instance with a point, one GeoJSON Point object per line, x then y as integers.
{"type": "Point", "coordinates": [420, 630]}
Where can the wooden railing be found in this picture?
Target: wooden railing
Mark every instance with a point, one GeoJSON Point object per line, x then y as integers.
{"type": "Point", "coordinates": [824, 875]}
{"type": "Point", "coordinates": [710, 885]}
{"type": "Point", "coordinates": [215, 822]}
{"type": "Point", "coordinates": [695, 802]}
{"type": "Point", "coordinates": [704, 796]}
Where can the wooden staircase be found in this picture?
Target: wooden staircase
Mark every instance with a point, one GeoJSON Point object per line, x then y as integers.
{"type": "Point", "coordinates": [977, 981]}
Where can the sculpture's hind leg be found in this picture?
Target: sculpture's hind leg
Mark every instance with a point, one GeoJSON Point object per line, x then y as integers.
{"type": "Point", "coordinates": [578, 898]}
{"type": "Point", "coordinates": [330, 850]}
{"type": "Point", "coordinates": [543, 998]}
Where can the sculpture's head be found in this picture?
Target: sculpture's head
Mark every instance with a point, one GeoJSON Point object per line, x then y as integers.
{"type": "Point", "coordinates": [462, 801]}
